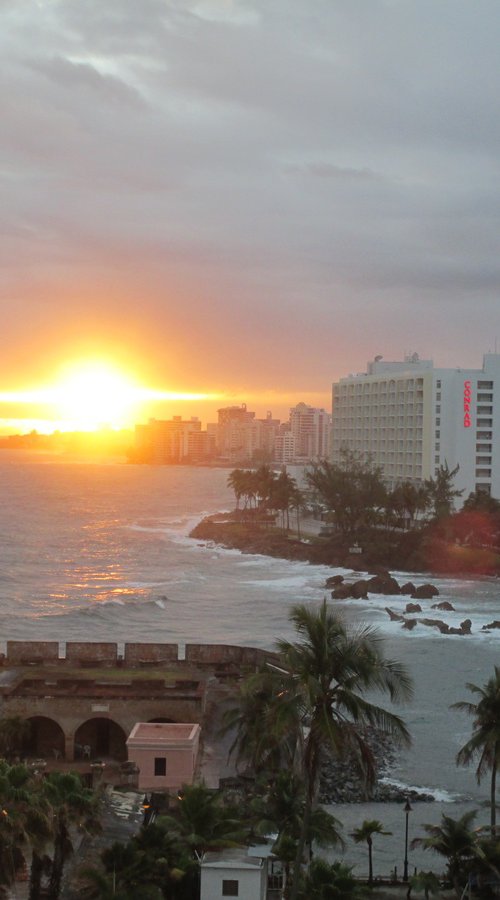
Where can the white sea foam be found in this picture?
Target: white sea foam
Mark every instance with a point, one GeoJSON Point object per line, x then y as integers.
{"type": "Point", "coordinates": [439, 794]}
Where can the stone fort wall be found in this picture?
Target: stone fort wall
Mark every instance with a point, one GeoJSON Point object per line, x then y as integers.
{"type": "Point", "coordinates": [86, 654]}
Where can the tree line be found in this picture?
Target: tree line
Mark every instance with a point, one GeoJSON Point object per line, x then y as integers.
{"type": "Point", "coordinates": [352, 496]}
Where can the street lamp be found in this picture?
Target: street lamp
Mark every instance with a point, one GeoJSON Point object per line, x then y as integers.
{"type": "Point", "coordinates": [407, 811]}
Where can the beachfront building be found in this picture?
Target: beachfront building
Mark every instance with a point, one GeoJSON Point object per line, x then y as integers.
{"type": "Point", "coordinates": [310, 428]}
{"type": "Point", "coordinates": [167, 441]}
{"type": "Point", "coordinates": [243, 438]}
{"type": "Point", "coordinates": [410, 417]}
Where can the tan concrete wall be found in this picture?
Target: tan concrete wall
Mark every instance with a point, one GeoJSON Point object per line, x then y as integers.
{"type": "Point", "coordinates": [98, 653]}
{"type": "Point", "coordinates": [135, 654]}
{"type": "Point", "coordinates": [19, 652]}
{"type": "Point", "coordinates": [219, 654]}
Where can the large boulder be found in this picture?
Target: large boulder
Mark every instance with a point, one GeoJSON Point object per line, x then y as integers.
{"type": "Point", "coordinates": [494, 624]}
{"type": "Point", "coordinates": [409, 624]}
{"type": "Point", "coordinates": [383, 584]}
{"type": "Point", "coordinates": [342, 592]}
{"type": "Point", "coordinates": [359, 590]}
{"type": "Point", "coordinates": [334, 580]}
{"type": "Point", "coordinates": [413, 608]}
{"type": "Point", "coordinates": [408, 588]}
{"type": "Point", "coordinates": [425, 592]}
{"type": "Point", "coordinates": [445, 604]}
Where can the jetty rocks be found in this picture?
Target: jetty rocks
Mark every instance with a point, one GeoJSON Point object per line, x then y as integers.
{"type": "Point", "coordinates": [341, 781]}
{"type": "Point", "coordinates": [380, 583]}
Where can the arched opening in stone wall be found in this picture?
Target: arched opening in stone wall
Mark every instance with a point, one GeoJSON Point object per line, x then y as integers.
{"type": "Point", "coordinates": [98, 738]}
{"type": "Point", "coordinates": [46, 738]}
{"type": "Point", "coordinates": [161, 720]}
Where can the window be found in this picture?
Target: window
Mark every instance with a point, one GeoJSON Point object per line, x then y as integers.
{"type": "Point", "coordinates": [160, 765]}
{"type": "Point", "coordinates": [229, 887]}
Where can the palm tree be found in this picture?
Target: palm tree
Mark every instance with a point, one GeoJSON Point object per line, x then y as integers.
{"type": "Point", "coordinates": [236, 481]}
{"type": "Point", "coordinates": [330, 669]}
{"type": "Point", "coordinates": [71, 803]}
{"type": "Point", "coordinates": [203, 821]}
{"type": "Point", "coordinates": [265, 721]}
{"type": "Point", "coordinates": [24, 819]}
{"type": "Point", "coordinates": [334, 881]}
{"type": "Point", "coordinates": [424, 881]}
{"type": "Point", "coordinates": [484, 745]}
{"type": "Point", "coordinates": [365, 833]}
{"type": "Point", "coordinates": [456, 841]}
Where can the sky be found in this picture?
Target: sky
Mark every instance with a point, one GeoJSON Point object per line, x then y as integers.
{"type": "Point", "coordinates": [245, 199]}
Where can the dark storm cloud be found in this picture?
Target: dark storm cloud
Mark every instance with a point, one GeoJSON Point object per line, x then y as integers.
{"type": "Point", "coordinates": [323, 168]}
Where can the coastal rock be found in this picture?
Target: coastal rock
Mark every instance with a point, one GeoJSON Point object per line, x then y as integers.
{"type": "Point", "coordinates": [394, 616]}
{"type": "Point", "coordinates": [466, 626]}
{"type": "Point", "coordinates": [333, 581]}
{"type": "Point", "coordinates": [341, 781]}
{"type": "Point", "coordinates": [413, 608]}
{"type": "Point", "coordinates": [381, 584]}
{"type": "Point", "coordinates": [436, 623]}
{"type": "Point", "coordinates": [408, 588]}
{"type": "Point", "coordinates": [410, 624]}
{"type": "Point", "coordinates": [359, 590]}
{"type": "Point", "coordinates": [445, 605]}
{"type": "Point", "coordinates": [494, 624]}
{"type": "Point", "coordinates": [425, 592]}
{"type": "Point", "coordinates": [342, 592]}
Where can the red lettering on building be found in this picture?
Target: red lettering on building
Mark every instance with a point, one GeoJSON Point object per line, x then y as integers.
{"type": "Point", "coordinates": [467, 404]}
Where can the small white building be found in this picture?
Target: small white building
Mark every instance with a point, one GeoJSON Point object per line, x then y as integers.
{"type": "Point", "coordinates": [247, 873]}
{"type": "Point", "coordinates": [164, 753]}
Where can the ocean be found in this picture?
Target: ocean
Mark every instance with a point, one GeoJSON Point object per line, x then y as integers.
{"type": "Point", "coordinates": [101, 551]}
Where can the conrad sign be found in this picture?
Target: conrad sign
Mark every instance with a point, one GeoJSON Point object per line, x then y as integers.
{"type": "Point", "coordinates": [467, 404]}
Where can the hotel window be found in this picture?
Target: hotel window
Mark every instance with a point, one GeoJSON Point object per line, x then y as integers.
{"type": "Point", "coordinates": [160, 765]}
{"type": "Point", "coordinates": [230, 887]}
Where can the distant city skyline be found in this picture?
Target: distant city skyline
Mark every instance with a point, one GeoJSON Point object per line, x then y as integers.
{"type": "Point", "coordinates": [243, 201]}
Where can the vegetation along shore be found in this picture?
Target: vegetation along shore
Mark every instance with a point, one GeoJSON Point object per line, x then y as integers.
{"type": "Point", "coordinates": [413, 528]}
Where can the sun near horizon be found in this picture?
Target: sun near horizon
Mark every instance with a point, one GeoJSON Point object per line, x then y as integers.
{"type": "Point", "coordinates": [86, 396]}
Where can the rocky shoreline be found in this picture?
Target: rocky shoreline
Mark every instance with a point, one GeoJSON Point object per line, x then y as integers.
{"type": "Point", "coordinates": [342, 783]}
{"type": "Point", "coordinates": [410, 551]}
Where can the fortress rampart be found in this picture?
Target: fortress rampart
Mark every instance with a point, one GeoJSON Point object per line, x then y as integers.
{"type": "Point", "coordinates": [85, 697]}
{"type": "Point", "coordinates": [85, 654]}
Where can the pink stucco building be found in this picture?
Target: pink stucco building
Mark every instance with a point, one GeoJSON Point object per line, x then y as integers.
{"type": "Point", "coordinates": [165, 754]}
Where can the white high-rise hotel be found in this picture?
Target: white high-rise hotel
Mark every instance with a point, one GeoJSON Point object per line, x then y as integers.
{"type": "Point", "coordinates": [411, 418]}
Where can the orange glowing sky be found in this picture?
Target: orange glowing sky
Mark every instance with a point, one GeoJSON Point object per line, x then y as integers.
{"type": "Point", "coordinates": [216, 231]}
